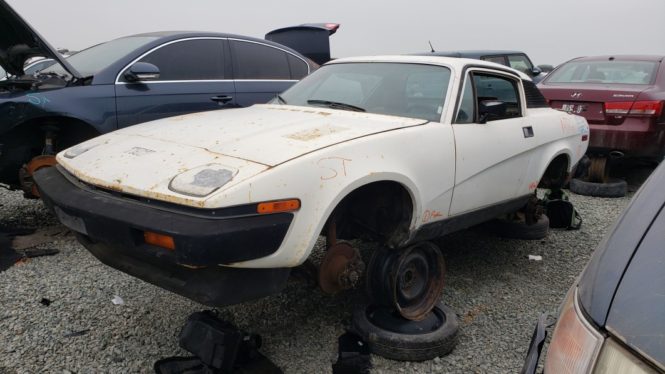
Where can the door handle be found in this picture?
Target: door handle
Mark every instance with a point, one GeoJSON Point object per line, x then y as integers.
{"type": "Point", "coordinates": [527, 131]}
{"type": "Point", "coordinates": [221, 99]}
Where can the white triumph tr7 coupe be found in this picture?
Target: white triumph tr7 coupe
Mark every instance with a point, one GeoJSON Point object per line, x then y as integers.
{"type": "Point", "coordinates": [221, 206]}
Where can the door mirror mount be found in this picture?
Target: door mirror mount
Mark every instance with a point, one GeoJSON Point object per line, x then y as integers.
{"type": "Point", "coordinates": [142, 71]}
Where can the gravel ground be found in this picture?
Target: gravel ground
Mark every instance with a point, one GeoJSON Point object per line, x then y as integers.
{"type": "Point", "coordinates": [497, 292]}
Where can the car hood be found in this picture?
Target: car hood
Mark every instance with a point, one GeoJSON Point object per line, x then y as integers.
{"type": "Point", "coordinates": [19, 42]}
{"type": "Point", "coordinates": [268, 134]}
{"type": "Point", "coordinates": [142, 159]}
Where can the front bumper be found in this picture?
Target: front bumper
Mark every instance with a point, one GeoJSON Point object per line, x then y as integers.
{"type": "Point", "coordinates": [111, 227]}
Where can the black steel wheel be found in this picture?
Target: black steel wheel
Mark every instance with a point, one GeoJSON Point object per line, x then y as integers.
{"type": "Point", "coordinates": [390, 335]}
{"type": "Point", "coordinates": [410, 280]}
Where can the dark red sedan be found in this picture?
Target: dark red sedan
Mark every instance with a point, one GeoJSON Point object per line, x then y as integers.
{"type": "Point", "coordinates": [622, 99]}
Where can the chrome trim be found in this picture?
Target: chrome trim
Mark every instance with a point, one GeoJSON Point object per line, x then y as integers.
{"type": "Point", "coordinates": [213, 81]}
{"type": "Point", "coordinates": [117, 78]}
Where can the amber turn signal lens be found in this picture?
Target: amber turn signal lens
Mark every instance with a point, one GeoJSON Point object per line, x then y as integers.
{"type": "Point", "coordinates": [278, 206]}
{"type": "Point", "coordinates": [159, 240]}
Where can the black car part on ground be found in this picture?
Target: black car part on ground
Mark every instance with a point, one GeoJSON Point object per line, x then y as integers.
{"type": "Point", "coordinates": [391, 336]}
{"type": "Point", "coordinates": [219, 347]}
{"type": "Point", "coordinates": [352, 355]}
{"type": "Point", "coordinates": [111, 228]}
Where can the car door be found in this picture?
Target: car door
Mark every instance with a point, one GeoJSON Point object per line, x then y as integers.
{"type": "Point", "coordinates": [262, 71]}
{"type": "Point", "coordinates": [194, 77]}
{"type": "Point", "coordinates": [491, 153]}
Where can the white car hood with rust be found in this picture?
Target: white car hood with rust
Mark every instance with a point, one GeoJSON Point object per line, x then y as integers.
{"type": "Point", "coordinates": [142, 159]}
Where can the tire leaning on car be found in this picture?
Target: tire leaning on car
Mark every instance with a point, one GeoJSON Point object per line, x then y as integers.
{"type": "Point", "coordinates": [612, 188]}
{"type": "Point", "coordinates": [391, 336]}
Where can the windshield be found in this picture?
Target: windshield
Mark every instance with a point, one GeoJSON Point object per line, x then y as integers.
{"type": "Point", "coordinates": [621, 72]}
{"type": "Point", "coordinates": [94, 59]}
{"type": "Point", "coordinates": [400, 89]}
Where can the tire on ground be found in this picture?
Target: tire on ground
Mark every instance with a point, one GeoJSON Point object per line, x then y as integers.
{"type": "Point", "coordinates": [520, 230]}
{"type": "Point", "coordinates": [408, 347]}
{"type": "Point", "coordinates": [613, 188]}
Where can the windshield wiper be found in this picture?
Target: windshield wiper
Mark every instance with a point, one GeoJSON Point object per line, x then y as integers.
{"type": "Point", "coordinates": [336, 105]}
{"type": "Point", "coordinates": [280, 99]}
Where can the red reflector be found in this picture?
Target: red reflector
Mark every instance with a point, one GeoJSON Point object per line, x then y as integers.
{"type": "Point", "coordinates": [585, 138]}
{"type": "Point", "coordinates": [159, 240]}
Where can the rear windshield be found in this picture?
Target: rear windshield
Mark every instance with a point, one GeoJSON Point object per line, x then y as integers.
{"type": "Point", "coordinates": [94, 59]}
{"type": "Point", "coordinates": [619, 72]}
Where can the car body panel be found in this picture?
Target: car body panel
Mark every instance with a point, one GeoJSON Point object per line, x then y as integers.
{"type": "Point", "coordinates": [603, 274]}
{"type": "Point", "coordinates": [637, 314]}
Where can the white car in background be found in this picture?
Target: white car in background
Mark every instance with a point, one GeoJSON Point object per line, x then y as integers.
{"type": "Point", "coordinates": [220, 206]}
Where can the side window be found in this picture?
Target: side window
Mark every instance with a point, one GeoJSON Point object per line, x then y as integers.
{"type": "Point", "coordinates": [298, 67]}
{"type": "Point", "coordinates": [467, 108]}
{"type": "Point", "coordinates": [521, 63]}
{"type": "Point", "coordinates": [491, 88]}
{"type": "Point", "coordinates": [259, 61]}
{"type": "Point", "coordinates": [198, 59]}
{"type": "Point", "coordinates": [496, 59]}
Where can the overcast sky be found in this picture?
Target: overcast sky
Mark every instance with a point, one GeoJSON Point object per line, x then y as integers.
{"type": "Point", "coordinates": [550, 31]}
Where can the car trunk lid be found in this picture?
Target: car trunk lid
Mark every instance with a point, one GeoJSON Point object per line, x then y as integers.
{"type": "Point", "coordinates": [598, 103]}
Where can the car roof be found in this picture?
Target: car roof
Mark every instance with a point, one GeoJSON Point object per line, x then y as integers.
{"type": "Point", "coordinates": [656, 58]}
{"type": "Point", "coordinates": [454, 62]}
{"type": "Point", "coordinates": [477, 53]}
{"type": "Point", "coordinates": [174, 35]}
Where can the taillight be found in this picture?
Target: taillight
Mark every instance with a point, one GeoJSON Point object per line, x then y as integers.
{"type": "Point", "coordinates": [637, 108]}
{"type": "Point", "coordinates": [575, 343]}
{"type": "Point", "coordinates": [647, 108]}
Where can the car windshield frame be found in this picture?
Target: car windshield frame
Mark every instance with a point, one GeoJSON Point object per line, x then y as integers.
{"type": "Point", "coordinates": [605, 72]}
{"type": "Point", "coordinates": [405, 89]}
{"type": "Point", "coordinates": [91, 61]}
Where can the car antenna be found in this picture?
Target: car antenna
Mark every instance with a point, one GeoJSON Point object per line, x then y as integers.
{"type": "Point", "coordinates": [430, 45]}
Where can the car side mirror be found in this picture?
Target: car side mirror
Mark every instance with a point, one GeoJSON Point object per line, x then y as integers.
{"type": "Point", "coordinates": [535, 71]}
{"type": "Point", "coordinates": [546, 68]}
{"type": "Point", "coordinates": [489, 109]}
{"type": "Point", "coordinates": [142, 71]}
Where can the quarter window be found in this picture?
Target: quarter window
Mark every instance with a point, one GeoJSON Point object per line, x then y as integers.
{"type": "Point", "coordinates": [200, 59]}
{"type": "Point", "coordinates": [259, 61]}
{"type": "Point", "coordinates": [299, 68]}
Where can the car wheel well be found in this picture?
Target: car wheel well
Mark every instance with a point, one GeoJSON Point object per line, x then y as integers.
{"type": "Point", "coordinates": [28, 140]}
{"type": "Point", "coordinates": [556, 174]}
{"type": "Point", "coordinates": [378, 211]}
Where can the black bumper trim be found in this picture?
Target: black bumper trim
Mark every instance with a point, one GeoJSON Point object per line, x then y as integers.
{"type": "Point", "coordinates": [199, 241]}
{"type": "Point", "coordinates": [213, 286]}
